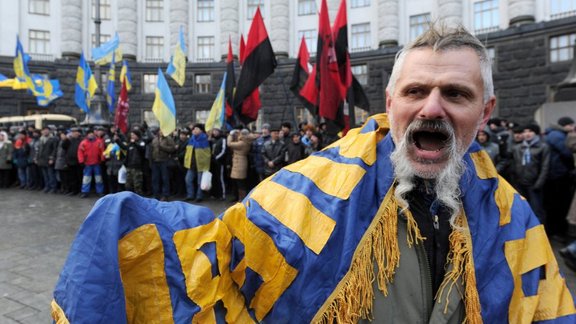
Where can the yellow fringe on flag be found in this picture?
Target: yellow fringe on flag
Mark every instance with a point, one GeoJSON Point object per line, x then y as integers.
{"type": "Point", "coordinates": [460, 256]}
{"type": "Point", "coordinates": [353, 297]}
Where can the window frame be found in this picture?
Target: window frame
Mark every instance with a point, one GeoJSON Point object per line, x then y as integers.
{"type": "Point", "coordinates": [103, 39]}
{"type": "Point", "coordinates": [355, 40]}
{"type": "Point", "coordinates": [210, 45]}
{"type": "Point", "coordinates": [493, 11]}
{"type": "Point", "coordinates": [311, 42]}
{"type": "Point", "coordinates": [149, 82]}
{"type": "Point", "coordinates": [307, 7]}
{"type": "Point", "coordinates": [418, 24]}
{"type": "Point", "coordinates": [202, 87]}
{"type": "Point", "coordinates": [567, 12]}
{"type": "Point", "coordinates": [359, 3]}
{"type": "Point", "coordinates": [105, 10]}
{"type": "Point", "coordinates": [566, 49]}
{"type": "Point", "coordinates": [34, 41]}
{"type": "Point", "coordinates": [152, 7]}
{"type": "Point", "coordinates": [361, 77]}
{"type": "Point", "coordinates": [251, 6]}
{"type": "Point", "coordinates": [153, 48]}
{"type": "Point", "coordinates": [45, 4]}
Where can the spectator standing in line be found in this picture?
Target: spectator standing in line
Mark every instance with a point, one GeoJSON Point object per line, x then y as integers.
{"type": "Point", "coordinates": [315, 144]}
{"type": "Point", "coordinates": [558, 190]}
{"type": "Point", "coordinates": [295, 150]}
{"type": "Point", "coordinates": [530, 168]}
{"type": "Point", "coordinates": [180, 171]}
{"type": "Point", "coordinates": [285, 132]}
{"type": "Point", "coordinates": [74, 168]}
{"type": "Point", "coordinates": [61, 165]}
{"type": "Point", "coordinates": [46, 156]}
{"type": "Point", "coordinates": [134, 162]}
{"type": "Point", "coordinates": [197, 161]}
{"type": "Point", "coordinates": [273, 153]}
{"type": "Point", "coordinates": [5, 160]}
{"type": "Point", "coordinates": [256, 158]}
{"type": "Point", "coordinates": [483, 138]}
{"type": "Point", "coordinates": [161, 149]}
{"type": "Point", "coordinates": [20, 157]}
{"type": "Point", "coordinates": [219, 154]}
{"type": "Point", "coordinates": [90, 154]}
{"type": "Point", "coordinates": [34, 173]}
{"type": "Point", "coordinates": [114, 157]}
{"type": "Point", "coordinates": [239, 143]}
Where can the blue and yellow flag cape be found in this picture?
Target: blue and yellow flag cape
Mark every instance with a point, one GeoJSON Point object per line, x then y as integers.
{"type": "Point", "coordinates": [299, 247]}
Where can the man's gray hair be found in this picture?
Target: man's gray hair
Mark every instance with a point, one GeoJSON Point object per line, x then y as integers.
{"type": "Point", "coordinates": [439, 38]}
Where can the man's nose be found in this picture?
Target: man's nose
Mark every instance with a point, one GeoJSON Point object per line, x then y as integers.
{"type": "Point", "coordinates": [433, 107]}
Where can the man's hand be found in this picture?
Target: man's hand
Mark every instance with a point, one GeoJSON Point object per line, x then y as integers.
{"type": "Point", "coordinates": [271, 164]}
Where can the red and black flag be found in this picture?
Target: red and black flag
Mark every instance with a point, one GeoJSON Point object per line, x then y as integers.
{"type": "Point", "coordinates": [121, 115]}
{"type": "Point", "coordinates": [241, 50]}
{"type": "Point", "coordinates": [230, 82]}
{"type": "Point", "coordinates": [259, 63]}
{"type": "Point", "coordinates": [330, 90]}
{"type": "Point", "coordinates": [301, 75]}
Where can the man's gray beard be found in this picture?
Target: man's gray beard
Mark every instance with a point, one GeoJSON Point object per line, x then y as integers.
{"type": "Point", "coordinates": [446, 182]}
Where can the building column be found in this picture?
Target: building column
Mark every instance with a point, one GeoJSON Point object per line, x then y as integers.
{"type": "Point", "coordinates": [127, 28]}
{"type": "Point", "coordinates": [71, 29]}
{"type": "Point", "coordinates": [229, 26]}
{"type": "Point", "coordinates": [450, 11]}
{"type": "Point", "coordinates": [388, 23]}
{"type": "Point", "coordinates": [178, 18]}
{"type": "Point", "coordinates": [280, 24]}
{"type": "Point", "coordinates": [521, 12]}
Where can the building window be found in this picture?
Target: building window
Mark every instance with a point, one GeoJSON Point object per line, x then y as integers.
{"type": "Point", "coordinates": [103, 39]}
{"type": "Point", "coordinates": [205, 10]}
{"type": "Point", "coordinates": [39, 7]}
{"type": "Point", "coordinates": [39, 41]}
{"type": "Point", "coordinates": [562, 48]}
{"type": "Point", "coordinates": [562, 8]}
{"type": "Point", "coordinates": [154, 10]}
{"type": "Point", "coordinates": [202, 83]}
{"type": "Point", "coordinates": [154, 47]}
{"type": "Point", "coordinates": [311, 38]}
{"type": "Point", "coordinates": [252, 6]}
{"type": "Point", "coordinates": [306, 7]}
{"type": "Point", "coordinates": [205, 49]}
{"type": "Point", "coordinates": [150, 81]}
{"type": "Point", "coordinates": [105, 9]}
{"type": "Point", "coordinates": [201, 116]}
{"type": "Point", "coordinates": [359, 3]}
{"type": "Point", "coordinates": [418, 25]}
{"type": "Point", "coordinates": [360, 37]}
{"type": "Point", "coordinates": [486, 16]}
{"type": "Point", "coordinates": [303, 115]}
{"type": "Point", "coordinates": [361, 73]}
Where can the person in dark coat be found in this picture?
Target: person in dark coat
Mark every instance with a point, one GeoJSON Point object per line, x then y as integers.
{"type": "Point", "coordinates": [45, 159]}
{"type": "Point", "coordinates": [558, 190]}
{"type": "Point", "coordinates": [273, 153]}
{"type": "Point", "coordinates": [134, 162]}
{"type": "Point", "coordinates": [295, 150]}
{"type": "Point", "coordinates": [61, 165]}
{"type": "Point", "coordinates": [218, 165]}
{"type": "Point", "coordinates": [74, 167]}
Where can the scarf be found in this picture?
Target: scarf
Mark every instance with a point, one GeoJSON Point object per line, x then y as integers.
{"type": "Point", "coordinates": [527, 145]}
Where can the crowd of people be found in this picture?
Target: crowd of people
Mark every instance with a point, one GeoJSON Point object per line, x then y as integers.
{"type": "Point", "coordinates": [78, 161]}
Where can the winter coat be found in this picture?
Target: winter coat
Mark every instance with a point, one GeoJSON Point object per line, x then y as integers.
{"type": "Point", "coordinates": [72, 153]}
{"type": "Point", "coordinates": [162, 147]}
{"type": "Point", "coordinates": [256, 159]}
{"type": "Point", "coordinates": [561, 159]}
{"type": "Point", "coordinates": [46, 151]}
{"type": "Point", "coordinates": [90, 152]}
{"type": "Point", "coordinates": [533, 173]}
{"type": "Point", "coordinates": [219, 150]}
{"type": "Point", "coordinates": [273, 151]}
{"type": "Point", "coordinates": [61, 154]}
{"type": "Point", "coordinates": [6, 155]}
{"type": "Point", "coordinates": [240, 149]}
{"type": "Point", "coordinates": [135, 156]}
{"type": "Point", "coordinates": [571, 145]}
{"type": "Point", "coordinates": [294, 152]}
{"type": "Point", "coordinates": [21, 155]}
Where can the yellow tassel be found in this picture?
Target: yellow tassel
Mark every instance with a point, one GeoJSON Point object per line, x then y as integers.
{"type": "Point", "coordinates": [353, 297]}
{"type": "Point", "coordinates": [412, 229]}
{"type": "Point", "coordinates": [460, 256]}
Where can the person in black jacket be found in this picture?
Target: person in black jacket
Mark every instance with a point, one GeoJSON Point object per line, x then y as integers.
{"type": "Point", "coordinates": [74, 167]}
{"type": "Point", "coordinates": [273, 153]}
{"type": "Point", "coordinates": [295, 150]}
{"type": "Point", "coordinates": [218, 165]}
{"type": "Point", "coordinates": [134, 162]}
{"type": "Point", "coordinates": [46, 156]}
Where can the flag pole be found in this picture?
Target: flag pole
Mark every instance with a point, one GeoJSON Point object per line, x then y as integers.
{"type": "Point", "coordinates": [94, 116]}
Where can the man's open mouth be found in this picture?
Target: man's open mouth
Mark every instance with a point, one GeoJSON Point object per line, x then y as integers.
{"type": "Point", "coordinates": [430, 140]}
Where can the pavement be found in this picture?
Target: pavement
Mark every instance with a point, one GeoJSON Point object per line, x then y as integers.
{"type": "Point", "coordinates": [35, 235]}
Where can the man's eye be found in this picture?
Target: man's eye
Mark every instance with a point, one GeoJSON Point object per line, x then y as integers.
{"type": "Point", "coordinates": [414, 91]}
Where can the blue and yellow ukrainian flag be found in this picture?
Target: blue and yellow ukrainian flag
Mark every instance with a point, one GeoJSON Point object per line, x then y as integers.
{"type": "Point", "coordinates": [51, 91]}
{"type": "Point", "coordinates": [85, 85]}
{"type": "Point", "coordinates": [216, 116]}
{"type": "Point", "coordinates": [21, 69]}
{"type": "Point", "coordinates": [14, 83]}
{"type": "Point", "coordinates": [103, 54]}
{"type": "Point", "coordinates": [125, 74]}
{"type": "Point", "coordinates": [177, 67]}
{"type": "Point", "coordinates": [164, 108]}
{"type": "Point", "coordinates": [110, 85]}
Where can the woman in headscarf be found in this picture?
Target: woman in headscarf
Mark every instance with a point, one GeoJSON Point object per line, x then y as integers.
{"type": "Point", "coordinates": [5, 160]}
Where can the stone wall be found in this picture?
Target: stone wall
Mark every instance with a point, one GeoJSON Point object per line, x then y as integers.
{"type": "Point", "coordinates": [523, 77]}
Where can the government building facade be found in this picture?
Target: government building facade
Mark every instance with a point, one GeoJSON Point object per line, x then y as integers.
{"type": "Point", "coordinates": [530, 43]}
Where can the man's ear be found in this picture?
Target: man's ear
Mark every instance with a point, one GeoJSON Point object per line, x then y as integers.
{"type": "Point", "coordinates": [388, 101]}
{"type": "Point", "coordinates": [487, 112]}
